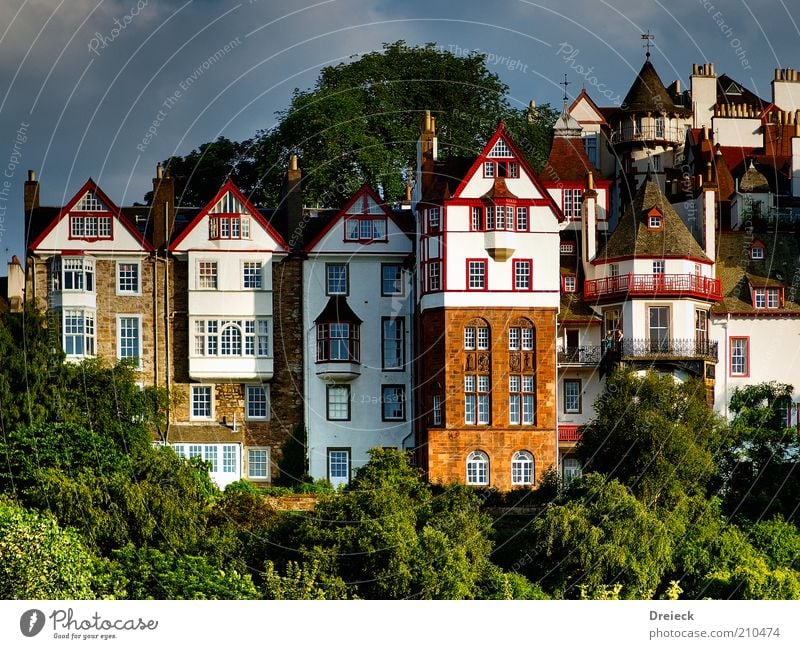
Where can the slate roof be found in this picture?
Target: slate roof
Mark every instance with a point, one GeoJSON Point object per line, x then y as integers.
{"type": "Point", "coordinates": [648, 94]}
{"type": "Point", "coordinates": [632, 238]}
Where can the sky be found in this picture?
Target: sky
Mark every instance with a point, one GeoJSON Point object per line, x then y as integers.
{"type": "Point", "coordinates": [107, 88]}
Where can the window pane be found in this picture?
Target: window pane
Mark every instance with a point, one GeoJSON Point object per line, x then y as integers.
{"type": "Point", "coordinates": [258, 463]}
{"type": "Point", "coordinates": [201, 401]}
{"type": "Point", "coordinates": [336, 279]}
{"type": "Point", "coordinates": [391, 279]}
{"type": "Point", "coordinates": [338, 402]}
{"type": "Point", "coordinates": [129, 338]}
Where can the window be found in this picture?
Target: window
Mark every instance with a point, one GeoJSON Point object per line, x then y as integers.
{"type": "Point", "coordinates": [613, 320]}
{"type": "Point", "coordinates": [477, 468]}
{"type": "Point", "coordinates": [757, 252]}
{"type": "Point", "coordinates": [434, 276]}
{"type": "Point", "coordinates": [571, 469]}
{"type": "Point", "coordinates": [572, 202]}
{"type": "Point", "coordinates": [570, 283]}
{"type": "Point", "coordinates": [476, 338]}
{"type": "Point", "coordinates": [508, 169]}
{"type": "Point", "coordinates": [659, 124]}
{"type": "Point", "coordinates": [658, 267]}
{"type": "Point", "coordinates": [613, 270]}
{"type": "Point", "coordinates": [434, 221]}
{"type": "Point", "coordinates": [338, 402]}
{"type": "Point", "coordinates": [759, 298]}
{"type": "Point", "coordinates": [522, 468]}
{"type": "Point", "coordinates": [654, 222]}
{"type": "Point", "coordinates": [700, 326]}
{"type": "Point", "coordinates": [393, 402]}
{"type": "Point", "coordinates": [483, 337]}
{"type": "Point", "coordinates": [698, 270]}
{"type": "Point", "coordinates": [488, 169]}
{"type": "Point", "coordinates": [201, 402]}
{"type": "Point", "coordinates": [129, 342]}
{"type": "Point", "coordinates": [522, 275]}
{"type": "Point", "coordinates": [572, 396]}
{"type": "Point", "coordinates": [79, 334]}
{"type": "Point", "coordinates": [89, 227]}
{"type": "Point", "coordinates": [659, 328]}
{"type": "Point", "coordinates": [520, 399]}
{"type": "Point", "coordinates": [656, 161]}
{"type": "Point", "coordinates": [228, 226]}
{"type": "Point", "coordinates": [590, 145]}
{"type": "Point", "coordinates": [520, 338]}
{"type": "Point", "coordinates": [392, 343]}
{"type": "Point", "coordinates": [477, 217]}
{"type": "Point", "coordinates": [365, 229]}
{"type": "Point", "coordinates": [336, 279]}
{"type": "Point", "coordinates": [740, 356]}
{"type": "Point", "coordinates": [231, 338]}
{"type": "Point", "coordinates": [437, 409]}
{"type": "Point", "coordinates": [257, 401]}
{"type": "Point", "coordinates": [391, 279]}
{"type": "Point", "coordinates": [338, 341]}
{"type": "Point", "coordinates": [522, 219]}
{"type": "Point", "coordinates": [90, 202]}
{"type": "Point", "coordinates": [128, 278]}
{"type": "Point", "coordinates": [476, 402]}
{"type": "Point", "coordinates": [338, 466]}
{"type": "Point", "coordinates": [772, 298]}
{"type": "Point", "coordinates": [207, 274]}
{"type": "Point", "coordinates": [476, 273]}
{"type": "Point", "coordinates": [230, 457]}
{"type": "Point", "coordinates": [469, 338]}
{"type": "Point", "coordinates": [78, 274]}
{"type": "Point", "coordinates": [567, 248]}
{"type": "Point", "coordinates": [258, 463]}
{"type": "Point", "coordinates": [500, 150]}
{"type": "Point", "coordinates": [251, 274]}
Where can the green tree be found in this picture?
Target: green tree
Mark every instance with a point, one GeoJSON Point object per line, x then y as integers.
{"type": "Point", "coordinates": [595, 538]}
{"type": "Point", "coordinates": [653, 434]}
{"type": "Point", "coordinates": [39, 560]}
{"type": "Point", "coordinates": [758, 466]}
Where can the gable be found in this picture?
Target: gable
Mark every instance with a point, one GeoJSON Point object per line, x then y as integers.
{"type": "Point", "coordinates": [364, 224]}
{"type": "Point", "coordinates": [90, 222]}
{"type": "Point", "coordinates": [228, 222]}
{"type": "Point", "coordinates": [584, 110]}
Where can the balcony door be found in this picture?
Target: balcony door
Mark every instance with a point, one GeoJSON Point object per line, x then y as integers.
{"type": "Point", "coordinates": [659, 328]}
{"type": "Point", "coordinates": [701, 331]}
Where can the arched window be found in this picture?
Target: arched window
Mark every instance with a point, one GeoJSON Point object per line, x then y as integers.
{"type": "Point", "coordinates": [476, 335]}
{"type": "Point", "coordinates": [521, 335]}
{"type": "Point", "coordinates": [522, 468]}
{"type": "Point", "coordinates": [478, 468]}
{"type": "Point", "coordinates": [231, 340]}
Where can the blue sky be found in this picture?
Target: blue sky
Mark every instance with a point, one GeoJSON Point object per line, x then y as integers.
{"type": "Point", "coordinates": [106, 88]}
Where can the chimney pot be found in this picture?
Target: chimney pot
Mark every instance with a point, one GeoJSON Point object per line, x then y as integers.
{"type": "Point", "coordinates": [159, 171]}
{"type": "Point", "coordinates": [31, 175]}
{"type": "Point", "coordinates": [293, 162]}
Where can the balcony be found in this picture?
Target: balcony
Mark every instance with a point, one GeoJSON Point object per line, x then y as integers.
{"type": "Point", "coordinates": [653, 285]}
{"type": "Point", "coordinates": [667, 349]}
{"type": "Point", "coordinates": [588, 355]}
{"type": "Point", "coordinates": [628, 133]}
{"type": "Point", "coordinates": [569, 433]}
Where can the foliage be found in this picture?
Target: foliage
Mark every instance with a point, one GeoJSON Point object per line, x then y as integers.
{"type": "Point", "coordinates": [306, 581]}
{"type": "Point", "coordinates": [596, 536]}
{"type": "Point", "coordinates": [757, 468]}
{"type": "Point", "coordinates": [292, 465]}
{"type": "Point", "coordinates": [653, 434]}
{"type": "Point", "coordinates": [39, 560]}
{"type": "Point", "coordinates": [164, 574]}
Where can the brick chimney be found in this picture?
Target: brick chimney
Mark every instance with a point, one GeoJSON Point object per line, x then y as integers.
{"type": "Point", "coordinates": [427, 153]}
{"type": "Point", "coordinates": [31, 191]}
{"type": "Point", "coordinates": [162, 211]}
{"type": "Point", "coordinates": [292, 204]}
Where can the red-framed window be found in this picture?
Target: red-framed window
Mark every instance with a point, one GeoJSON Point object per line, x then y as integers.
{"type": "Point", "coordinates": [338, 341]}
{"type": "Point", "coordinates": [502, 216]}
{"type": "Point", "coordinates": [365, 228]}
{"type": "Point", "coordinates": [739, 356]}
{"type": "Point", "coordinates": [91, 227]}
{"type": "Point", "coordinates": [228, 226]}
{"type": "Point", "coordinates": [522, 275]}
{"type": "Point", "coordinates": [476, 275]}
{"type": "Point", "coordinates": [501, 169]}
{"type": "Point", "coordinates": [768, 298]}
{"type": "Point", "coordinates": [569, 283]}
{"type": "Point", "coordinates": [433, 219]}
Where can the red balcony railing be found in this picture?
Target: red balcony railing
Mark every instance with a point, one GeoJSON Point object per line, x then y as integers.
{"type": "Point", "coordinates": [569, 433]}
{"type": "Point", "coordinates": [653, 285]}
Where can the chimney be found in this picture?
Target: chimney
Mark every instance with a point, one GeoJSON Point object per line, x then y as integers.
{"type": "Point", "coordinates": [710, 221]}
{"type": "Point", "coordinates": [162, 210]}
{"type": "Point", "coordinates": [703, 90]}
{"type": "Point", "coordinates": [16, 285]}
{"type": "Point", "coordinates": [589, 226]}
{"type": "Point", "coordinates": [292, 204]}
{"type": "Point", "coordinates": [426, 156]}
{"type": "Point", "coordinates": [31, 192]}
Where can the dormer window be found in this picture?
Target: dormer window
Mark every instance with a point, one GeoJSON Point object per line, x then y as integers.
{"type": "Point", "coordinates": [366, 229]}
{"type": "Point", "coordinates": [570, 283]}
{"type": "Point", "coordinates": [757, 251]}
{"type": "Point", "coordinates": [228, 226]}
{"type": "Point", "coordinates": [655, 219]}
{"type": "Point", "coordinates": [767, 298]}
{"type": "Point", "coordinates": [90, 219]}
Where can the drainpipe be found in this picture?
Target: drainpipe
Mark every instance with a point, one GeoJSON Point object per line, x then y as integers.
{"type": "Point", "coordinates": [727, 362]}
{"type": "Point", "coordinates": [167, 319]}
{"type": "Point", "coordinates": [555, 364]}
{"type": "Point", "coordinates": [155, 319]}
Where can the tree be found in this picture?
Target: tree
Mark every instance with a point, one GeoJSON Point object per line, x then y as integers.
{"type": "Point", "coordinates": [595, 538]}
{"type": "Point", "coordinates": [758, 468]}
{"type": "Point", "coordinates": [39, 560]}
{"type": "Point", "coordinates": [653, 434]}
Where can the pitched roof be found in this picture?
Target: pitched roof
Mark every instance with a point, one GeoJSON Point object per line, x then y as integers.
{"type": "Point", "coordinates": [337, 310]}
{"type": "Point", "coordinates": [648, 94]}
{"type": "Point", "coordinates": [567, 161]}
{"type": "Point", "coordinates": [632, 237]}
{"type": "Point", "coordinates": [730, 92]}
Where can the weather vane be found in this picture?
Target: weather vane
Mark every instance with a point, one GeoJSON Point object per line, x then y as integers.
{"type": "Point", "coordinates": [649, 38]}
{"type": "Point", "coordinates": [565, 83]}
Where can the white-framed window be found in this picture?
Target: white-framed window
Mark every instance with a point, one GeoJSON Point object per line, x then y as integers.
{"type": "Point", "coordinates": [207, 275]}
{"type": "Point", "coordinates": [757, 252]}
{"type": "Point", "coordinates": [698, 270]}
{"type": "Point", "coordinates": [570, 283]}
{"type": "Point", "coordinates": [572, 199]}
{"type": "Point", "coordinates": [257, 401]}
{"type": "Point", "coordinates": [128, 278]}
{"type": "Point", "coordinates": [90, 202]}
{"type": "Point", "coordinates": [338, 466]}
{"type": "Point", "coordinates": [437, 409]}
{"type": "Point", "coordinates": [658, 266]}
{"type": "Point", "coordinates": [77, 274]}
{"type": "Point", "coordinates": [228, 226]}
{"type": "Point", "coordinates": [89, 227]}
{"type": "Point", "coordinates": [483, 337]}
{"type": "Point", "coordinates": [476, 223]}
{"type": "Point", "coordinates": [336, 279]}
{"type": "Point", "coordinates": [231, 338]}
{"type": "Point", "coordinates": [520, 338]}
{"type": "Point", "coordinates": [520, 399]}
{"type": "Point", "coordinates": [230, 458]}
{"type": "Point", "coordinates": [570, 469]}
{"type": "Point", "coordinates": [434, 220]}
{"type": "Point", "coordinates": [258, 463]}
{"type": "Point", "coordinates": [393, 343]}
{"type": "Point", "coordinates": [222, 458]}
{"type": "Point", "coordinates": [656, 161]}
{"type": "Point", "coordinates": [365, 228]}
{"type": "Point", "coordinates": [393, 402]}
{"type": "Point", "coordinates": [740, 356]}
{"type": "Point", "coordinates": [500, 150]}
{"type": "Point", "coordinates": [338, 402]}
{"type": "Point", "coordinates": [129, 337]}
{"type": "Point", "coordinates": [654, 222]}
{"type": "Point", "coordinates": [488, 169]}
{"type": "Point", "coordinates": [522, 275]}
{"type": "Point", "coordinates": [469, 338]}
{"type": "Point", "coordinates": [572, 396]}
{"type": "Point", "coordinates": [513, 339]}
{"type": "Point", "coordinates": [202, 404]}
{"type": "Point", "coordinates": [567, 248]}
{"type": "Point", "coordinates": [613, 270]}
{"type": "Point", "coordinates": [252, 275]}
{"type": "Point", "coordinates": [477, 468]}
{"type": "Point", "coordinates": [522, 468]}
{"type": "Point", "coordinates": [477, 274]}
{"type": "Point", "coordinates": [78, 332]}
{"type": "Point", "coordinates": [435, 276]}
{"type": "Point", "coordinates": [476, 399]}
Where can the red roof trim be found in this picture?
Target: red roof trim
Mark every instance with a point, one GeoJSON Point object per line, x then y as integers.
{"type": "Point", "coordinates": [613, 260]}
{"type": "Point", "coordinates": [229, 186]}
{"type": "Point", "coordinates": [115, 211]}
{"type": "Point", "coordinates": [585, 95]}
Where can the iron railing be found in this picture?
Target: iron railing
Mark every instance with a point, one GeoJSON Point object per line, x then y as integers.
{"type": "Point", "coordinates": [666, 349]}
{"type": "Point", "coordinates": [648, 133]}
{"type": "Point", "coordinates": [586, 355]}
